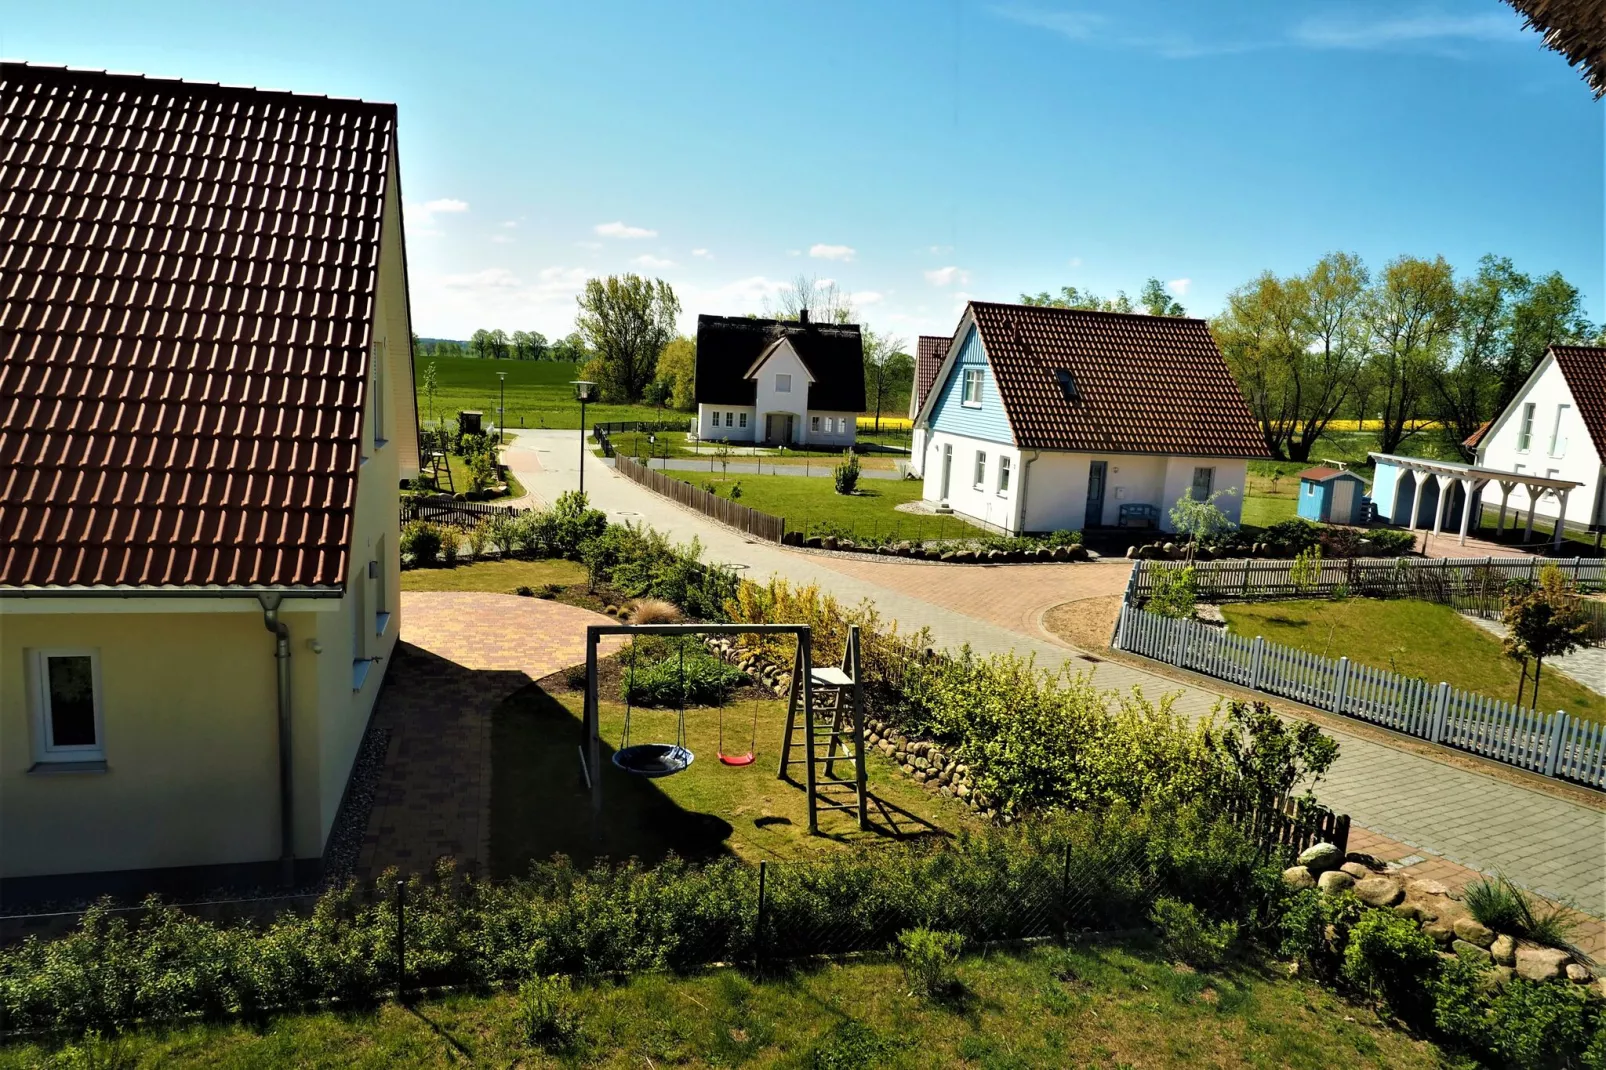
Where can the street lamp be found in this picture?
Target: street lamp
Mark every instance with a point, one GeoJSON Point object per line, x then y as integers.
{"type": "Point", "coordinates": [584, 391]}
{"type": "Point", "coordinates": [501, 411]}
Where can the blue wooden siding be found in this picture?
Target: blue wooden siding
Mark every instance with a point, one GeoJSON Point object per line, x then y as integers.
{"type": "Point", "coordinates": [1313, 498]}
{"type": "Point", "coordinates": [949, 414]}
{"type": "Point", "coordinates": [1316, 499]}
{"type": "Point", "coordinates": [1385, 479]}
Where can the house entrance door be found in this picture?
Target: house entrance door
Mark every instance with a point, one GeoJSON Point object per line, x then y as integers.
{"type": "Point", "coordinates": [1343, 508]}
{"type": "Point", "coordinates": [1096, 471]}
{"type": "Point", "coordinates": [947, 469]}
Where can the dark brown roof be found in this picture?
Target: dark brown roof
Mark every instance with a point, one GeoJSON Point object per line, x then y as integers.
{"type": "Point", "coordinates": [1576, 29]}
{"type": "Point", "coordinates": [1142, 384]}
{"type": "Point", "coordinates": [929, 353]}
{"type": "Point", "coordinates": [1322, 474]}
{"type": "Point", "coordinates": [727, 346]}
{"type": "Point", "coordinates": [187, 284]}
{"type": "Point", "coordinates": [1584, 368]}
{"type": "Point", "coordinates": [1472, 440]}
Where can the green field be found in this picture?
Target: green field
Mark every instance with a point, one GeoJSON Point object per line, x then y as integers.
{"type": "Point", "coordinates": [538, 393]}
{"type": "Point", "coordinates": [1421, 639]}
{"type": "Point", "coordinates": [1088, 1005]}
{"type": "Point", "coordinates": [496, 576]}
{"type": "Point", "coordinates": [810, 502]}
{"type": "Point", "coordinates": [678, 445]}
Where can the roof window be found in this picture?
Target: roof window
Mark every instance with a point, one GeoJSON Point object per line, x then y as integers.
{"type": "Point", "coordinates": [1067, 383]}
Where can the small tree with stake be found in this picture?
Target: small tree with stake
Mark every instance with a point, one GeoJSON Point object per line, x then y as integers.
{"type": "Point", "coordinates": [1201, 519]}
{"type": "Point", "coordinates": [1542, 621]}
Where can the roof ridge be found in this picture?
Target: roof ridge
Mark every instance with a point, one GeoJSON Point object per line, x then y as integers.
{"type": "Point", "coordinates": [1057, 309]}
{"type": "Point", "coordinates": [157, 80]}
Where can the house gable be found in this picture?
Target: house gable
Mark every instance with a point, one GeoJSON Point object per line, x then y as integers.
{"type": "Point", "coordinates": [947, 411]}
{"type": "Point", "coordinates": [1559, 379]}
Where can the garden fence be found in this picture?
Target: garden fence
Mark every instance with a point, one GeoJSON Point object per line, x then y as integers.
{"type": "Point", "coordinates": [1555, 745]}
{"type": "Point", "coordinates": [741, 517]}
{"type": "Point", "coordinates": [447, 511]}
{"type": "Point", "coordinates": [602, 432]}
{"type": "Point", "coordinates": [1405, 577]}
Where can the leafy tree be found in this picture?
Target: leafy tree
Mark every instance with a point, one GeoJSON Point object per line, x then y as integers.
{"type": "Point", "coordinates": [480, 343]}
{"type": "Point", "coordinates": [529, 345]}
{"type": "Point", "coordinates": [627, 320]}
{"type": "Point", "coordinates": [1545, 620]}
{"type": "Point", "coordinates": [571, 348]}
{"type": "Point", "coordinates": [1071, 297]}
{"type": "Point", "coordinates": [1270, 756]}
{"type": "Point", "coordinates": [677, 368]}
{"type": "Point", "coordinates": [887, 370]}
{"type": "Point", "coordinates": [1201, 519]}
{"type": "Point", "coordinates": [498, 344]}
{"type": "Point", "coordinates": [1409, 316]}
{"type": "Point", "coordinates": [1156, 300]}
{"type": "Point", "coordinates": [822, 297]}
{"type": "Point", "coordinates": [1543, 313]}
{"type": "Point", "coordinates": [431, 384]}
{"type": "Point", "coordinates": [1175, 593]}
{"type": "Point", "coordinates": [1466, 383]}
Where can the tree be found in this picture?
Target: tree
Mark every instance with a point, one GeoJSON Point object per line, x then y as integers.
{"type": "Point", "coordinates": [480, 343]}
{"type": "Point", "coordinates": [1543, 621]}
{"type": "Point", "coordinates": [1543, 313]}
{"type": "Point", "coordinates": [1333, 294]}
{"type": "Point", "coordinates": [1071, 297]}
{"type": "Point", "coordinates": [498, 344]}
{"type": "Point", "coordinates": [431, 384]}
{"type": "Point", "coordinates": [822, 297]}
{"type": "Point", "coordinates": [1262, 334]}
{"type": "Point", "coordinates": [626, 321]}
{"type": "Point", "coordinates": [1156, 300]}
{"type": "Point", "coordinates": [1467, 382]}
{"type": "Point", "coordinates": [1409, 315]}
{"type": "Point", "coordinates": [571, 348]}
{"type": "Point", "coordinates": [886, 368]}
{"type": "Point", "coordinates": [1201, 519]}
{"type": "Point", "coordinates": [677, 367]}
{"type": "Point", "coordinates": [529, 345]}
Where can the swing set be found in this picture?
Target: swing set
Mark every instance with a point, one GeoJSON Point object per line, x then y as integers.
{"type": "Point", "coordinates": [826, 711]}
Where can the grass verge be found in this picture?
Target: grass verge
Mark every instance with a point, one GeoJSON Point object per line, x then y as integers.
{"type": "Point", "coordinates": [497, 577]}
{"type": "Point", "coordinates": [806, 501]}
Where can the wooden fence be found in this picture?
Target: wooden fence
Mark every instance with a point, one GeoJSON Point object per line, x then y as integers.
{"type": "Point", "coordinates": [447, 511]}
{"type": "Point", "coordinates": [1556, 744]}
{"type": "Point", "coordinates": [741, 517]}
{"type": "Point", "coordinates": [602, 432]}
{"type": "Point", "coordinates": [1291, 825]}
{"type": "Point", "coordinates": [1383, 577]}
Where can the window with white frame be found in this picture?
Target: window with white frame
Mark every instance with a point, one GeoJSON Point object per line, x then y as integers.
{"type": "Point", "coordinates": [1558, 441]}
{"type": "Point", "coordinates": [1525, 431]}
{"type": "Point", "coordinates": [380, 571]}
{"type": "Point", "coordinates": [68, 706]}
{"type": "Point", "coordinates": [981, 470]}
{"type": "Point", "coordinates": [730, 419]}
{"type": "Point", "coordinates": [1003, 475]}
{"type": "Point", "coordinates": [972, 387]}
{"type": "Point", "coordinates": [1204, 480]}
{"type": "Point", "coordinates": [743, 419]}
{"type": "Point", "coordinates": [814, 423]}
{"type": "Point", "coordinates": [380, 432]}
{"type": "Point", "coordinates": [830, 425]}
{"type": "Point", "coordinates": [783, 382]}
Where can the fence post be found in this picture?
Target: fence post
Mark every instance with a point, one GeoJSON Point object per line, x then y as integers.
{"type": "Point", "coordinates": [758, 921]}
{"type": "Point", "coordinates": [1120, 628]}
{"type": "Point", "coordinates": [1441, 706]}
{"type": "Point", "coordinates": [401, 941]}
{"type": "Point", "coordinates": [1558, 730]}
{"type": "Point", "coordinates": [1341, 685]}
{"type": "Point", "coordinates": [1065, 892]}
{"type": "Point", "coordinates": [1255, 663]}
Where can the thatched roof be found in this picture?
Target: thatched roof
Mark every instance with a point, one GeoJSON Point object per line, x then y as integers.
{"type": "Point", "coordinates": [1576, 29]}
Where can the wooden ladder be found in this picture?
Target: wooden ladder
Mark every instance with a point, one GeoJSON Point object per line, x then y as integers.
{"type": "Point", "coordinates": [824, 722]}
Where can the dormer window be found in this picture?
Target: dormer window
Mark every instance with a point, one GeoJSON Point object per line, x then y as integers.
{"type": "Point", "coordinates": [1067, 383]}
{"type": "Point", "coordinates": [783, 383]}
{"type": "Point", "coordinates": [972, 388]}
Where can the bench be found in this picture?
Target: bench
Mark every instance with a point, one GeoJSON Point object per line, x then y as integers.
{"type": "Point", "coordinates": [1135, 515]}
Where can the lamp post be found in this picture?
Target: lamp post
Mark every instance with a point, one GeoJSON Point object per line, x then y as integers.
{"type": "Point", "coordinates": [583, 392]}
{"type": "Point", "coordinates": [501, 411]}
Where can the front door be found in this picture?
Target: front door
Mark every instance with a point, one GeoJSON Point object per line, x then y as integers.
{"type": "Point", "coordinates": [1095, 494]}
{"type": "Point", "coordinates": [769, 427]}
{"type": "Point", "coordinates": [1343, 509]}
{"type": "Point", "coordinates": [947, 469]}
{"type": "Point", "coordinates": [791, 428]}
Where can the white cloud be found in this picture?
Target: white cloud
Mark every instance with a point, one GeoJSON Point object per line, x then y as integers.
{"type": "Point", "coordinates": [445, 204]}
{"type": "Point", "coordinates": [1075, 261]}
{"type": "Point", "coordinates": [488, 279]}
{"type": "Point", "coordinates": [618, 229]}
{"type": "Point", "coordinates": [647, 260]}
{"type": "Point", "coordinates": [510, 223]}
{"type": "Point", "coordinates": [947, 276]}
{"type": "Point", "coordinates": [501, 239]}
{"type": "Point", "coordinates": [738, 296]}
{"type": "Point", "coordinates": [1179, 286]}
{"type": "Point", "coordinates": [822, 251]}
{"type": "Point", "coordinates": [794, 252]}
{"type": "Point", "coordinates": [702, 254]}
{"type": "Point", "coordinates": [867, 297]}
{"type": "Point", "coordinates": [1403, 31]}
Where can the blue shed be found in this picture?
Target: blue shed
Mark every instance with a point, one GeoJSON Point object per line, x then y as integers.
{"type": "Point", "coordinates": [1332, 495]}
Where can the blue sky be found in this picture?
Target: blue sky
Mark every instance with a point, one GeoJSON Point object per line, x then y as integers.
{"type": "Point", "coordinates": [916, 153]}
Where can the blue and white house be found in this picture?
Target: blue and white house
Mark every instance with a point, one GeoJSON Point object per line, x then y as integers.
{"type": "Point", "coordinates": [1042, 419]}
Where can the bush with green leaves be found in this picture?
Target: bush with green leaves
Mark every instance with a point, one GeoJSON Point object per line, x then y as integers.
{"type": "Point", "coordinates": [546, 1014]}
{"type": "Point", "coordinates": [1504, 907]}
{"type": "Point", "coordinates": [846, 474]}
{"type": "Point", "coordinates": [1314, 929]}
{"type": "Point", "coordinates": [1395, 962]}
{"type": "Point", "coordinates": [1535, 1025]}
{"type": "Point", "coordinates": [421, 542]}
{"type": "Point", "coordinates": [1190, 936]}
{"type": "Point", "coordinates": [928, 957]}
{"type": "Point", "coordinates": [1391, 542]}
{"type": "Point", "coordinates": [1174, 592]}
{"type": "Point", "coordinates": [642, 563]}
{"type": "Point", "coordinates": [1292, 535]}
{"type": "Point", "coordinates": [690, 676]}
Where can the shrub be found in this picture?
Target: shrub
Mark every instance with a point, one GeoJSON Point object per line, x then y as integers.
{"type": "Point", "coordinates": [451, 544]}
{"type": "Point", "coordinates": [1064, 538]}
{"type": "Point", "coordinates": [481, 470]}
{"type": "Point", "coordinates": [421, 541]}
{"type": "Point", "coordinates": [1174, 593]}
{"type": "Point", "coordinates": [1545, 1025]}
{"type": "Point", "coordinates": [928, 958]}
{"type": "Point", "coordinates": [546, 1015]}
{"type": "Point", "coordinates": [1391, 542]}
{"type": "Point", "coordinates": [847, 474]}
{"type": "Point", "coordinates": [572, 523]}
{"type": "Point", "coordinates": [654, 611]}
{"type": "Point", "coordinates": [1306, 571]}
{"type": "Point", "coordinates": [691, 675]}
{"type": "Point", "coordinates": [1506, 908]}
{"type": "Point", "coordinates": [1460, 1011]}
{"type": "Point", "coordinates": [1189, 937]}
{"type": "Point", "coordinates": [736, 492]}
{"type": "Point", "coordinates": [477, 537]}
{"type": "Point", "coordinates": [1292, 536]}
{"type": "Point", "coordinates": [1315, 928]}
{"type": "Point", "coordinates": [503, 532]}
{"type": "Point", "coordinates": [1397, 963]}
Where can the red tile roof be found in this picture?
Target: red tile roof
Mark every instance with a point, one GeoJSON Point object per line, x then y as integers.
{"type": "Point", "coordinates": [1584, 368]}
{"type": "Point", "coordinates": [187, 287]}
{"type": "Point", "coordinates": [929, 353]}
{"type": "Point", "coordinates": [1141, 384]}
{"type": "Point", "coordinates": [1321, 474]}
{"type": "Point", "coordinates": [1472, 440]}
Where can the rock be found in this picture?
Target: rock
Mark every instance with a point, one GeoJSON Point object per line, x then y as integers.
{"type": "Point", "coordinates": [1408, 911]}
{"type": "Point", "coordinates": [1473, 931]}
{"type": "Point", "coordinates": [1540, 963]}
{"type": "Point", "coordinates": [1318, 858]}
{"type": "Point", "coordinates": [1427, 888]}
{"type": "Point", "coordinates": [1579, 974]}
{"type": "Point", "coordinates": [1376, 891]}
{"type": "Point", "coordinates": [1500, 976]}
{"type": "Point", "coordinates": [1298, 878]}
{"type": "Point", "coordinates": [1470, 951]}
{"type": "Point", "coordinates": [1356, 870]}
{"type": "Point", "coordinates": [1442, 932]}
{"type": "Point", "coordinates": [1334, 881]}
{"type": "Point", "coordinates": [1504, 950]}
{"type": "Point", "coordinates": [1369, 861]}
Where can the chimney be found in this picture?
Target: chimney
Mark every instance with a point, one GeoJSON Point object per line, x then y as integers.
{"type": "Point", "coordinates": [803, 316]}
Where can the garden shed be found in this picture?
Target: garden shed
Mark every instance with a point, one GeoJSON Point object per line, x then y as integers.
{"type": "Point", "coordinates": [1332, 495]}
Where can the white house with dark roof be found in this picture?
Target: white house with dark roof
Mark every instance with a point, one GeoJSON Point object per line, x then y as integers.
{"type": "Point", "coordinates": [1042, 419]}
{"type": "Point", "coordinates": [778, 383]}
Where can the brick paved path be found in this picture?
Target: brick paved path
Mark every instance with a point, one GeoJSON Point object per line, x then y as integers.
{"type": "Point", "coordinates": [461, 654]}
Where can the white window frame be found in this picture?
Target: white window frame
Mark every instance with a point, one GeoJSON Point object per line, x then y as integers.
{"type": "Point", "coordinates": [742, 418]}
{"type": "Point", "coordinates": [981, 470]}
{"type": "Point", "coordinates": [814, 423]}
{"type": "Point", "coordinates": [1558, 441]}
{"type": "Point", "coordinates": [1525, 428]}
{"type": "Point", "coordinates": [1193, 485]}
{"type": "Point", "coordinates": [970, 387]}
{"type": "Point", "coordinates": [783, 382]}
{"type": "Point", "coordinates": [379, 396]}
{"type": "Point", "coordinates": [44, 749]}
{"type": "Point", "coordinates": [1003, 474]}
{"type": "Point", "coordinates": [379, 570]}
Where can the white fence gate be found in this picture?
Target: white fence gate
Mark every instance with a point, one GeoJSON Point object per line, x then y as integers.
{"type": "Point", "coordinates": [1553, 744]}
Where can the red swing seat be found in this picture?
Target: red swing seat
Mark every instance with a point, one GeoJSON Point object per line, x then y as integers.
{"type": "Point", "coordinates": [738, 759]}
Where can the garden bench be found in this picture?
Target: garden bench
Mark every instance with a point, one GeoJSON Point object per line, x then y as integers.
{"type": "Point", "coordinates": [1134, 515]}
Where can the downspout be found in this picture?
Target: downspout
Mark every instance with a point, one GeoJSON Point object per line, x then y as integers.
{"type": "Point", "coordinates": [281, 656]}
{"type": "Point", "coordinates": [1020, 499]}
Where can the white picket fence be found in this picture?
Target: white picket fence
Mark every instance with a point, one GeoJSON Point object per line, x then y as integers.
{"type": "Point", "coordinates": [1553, 744]}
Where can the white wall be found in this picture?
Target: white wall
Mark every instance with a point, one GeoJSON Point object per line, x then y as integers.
{"type": "Point", "coordinates": [917, 452]}
{"type": "Point", "coordinates": [783, 361]}
{"type": "Point", "coordinates": [982, 503]}
{"type": "Point", "coordinates": [1575, 459]}
{"type": "Point", "coordinates": [1056, 494]}
{"type": "Point", "coordinates": [707, 428]}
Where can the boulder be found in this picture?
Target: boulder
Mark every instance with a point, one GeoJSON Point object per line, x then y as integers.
{"type": "Point", "coordinates": [1320, 857]}
{"type": "Point", "coordinates": [1376, 891]}
{"type": "Point", "coordinates": [1442, 932]}
{"type": "Point", "coordinates": [1416, 888]}
{"type": "Point", "coordinates": [1579, 974]}
{"type": "Point", "coordinates": [1540, 963]}
{"type": "Point", "coordinates": [1408, 911]}
{"type": "Point", "coordinates": [1473, 931]}
{"type": "Point", "coordinates": [1334, 881]}
{"type": "Point", "coordinates": [1299, 878]}
{"type": "Point", "coordinates": [1470, 951]}
{"type": "Point", "coordinates": [1356, 870]}
{"type": "Point", "coordinates": [1504, 950]}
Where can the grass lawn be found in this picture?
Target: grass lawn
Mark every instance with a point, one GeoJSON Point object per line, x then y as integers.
{"type": "Point", "coordinates": [538, 393]}
{"type": "Point", "coordinates": [806, 501]}
{"type": "Point", "coordinates": [1091, 1004]}
{"type": "Point", "coordinates": [499, 577]}
{"type": "Point", "coordinates": [461, 479]}
{"type": "Point", "coordinates": [540, 806]}
{"type": "Point", "coordinates": [677, 445]}
{"type": "Point", "coordinates": [1417, 638]}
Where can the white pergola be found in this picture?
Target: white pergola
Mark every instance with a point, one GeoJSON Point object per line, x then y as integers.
{"type": "Point", "coordinates": [1472, 478]}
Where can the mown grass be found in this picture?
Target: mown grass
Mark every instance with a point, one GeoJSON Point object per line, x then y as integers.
{"type": "Point", "coordinates": [462, 481]}
{"type": "Point", "coordinates": [1417, 638]}
{"type": "Point", "coordinates": [677, 445]}
{"type": "Point", "coordinates": [538, 393]}
{"type": "Point", "coordinates": [807, 501]}
{"type": "Point", "coordinates": [540, 805]}
{"type": "Point", "coordinates": [1091, 1004]}
{"type": "Point", "coordinates": [499, 577]}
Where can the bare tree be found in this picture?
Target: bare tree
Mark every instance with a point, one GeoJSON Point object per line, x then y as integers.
{"type": "Point", "coordinates": [822, 297]}
{"type": "Point", "coordinates": [886, 368]}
